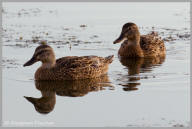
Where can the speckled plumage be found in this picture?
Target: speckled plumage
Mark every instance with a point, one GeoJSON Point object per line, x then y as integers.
{"type": "Point", "coordinates": [152, 45]}
{"type": "Point", "coordinates": [68, 68]}
{"type": "Point", "coordinates": [137, 45]}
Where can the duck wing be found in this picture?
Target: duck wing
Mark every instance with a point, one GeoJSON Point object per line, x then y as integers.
{"type": "Point", "coordinates": [82, 62]}
{"type": "Point", "coordinates": [74, 67]}
{"type": "Point", "coordinates": [152, 45]}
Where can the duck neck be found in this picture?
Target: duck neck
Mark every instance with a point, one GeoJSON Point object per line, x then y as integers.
{"type": "Point", "coordinates": [135, 40]}
{"type": "Point", "coordinates": [48, 94]}
{"type": "Point", "coordinates": [131, 48]}
{"type": "Point", "coordinates": [48, 64]}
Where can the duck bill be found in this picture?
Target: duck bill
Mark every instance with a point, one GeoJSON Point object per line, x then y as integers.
{"type": "Point", "coordinates": [30, 99]}
{"type": "Point", "coordinates": [30, 62]}
{"type": "Point", "coordinates": [121, 37]}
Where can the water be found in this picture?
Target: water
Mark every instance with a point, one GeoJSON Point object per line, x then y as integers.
{"type": "Point", "coordinates": [135, 93]}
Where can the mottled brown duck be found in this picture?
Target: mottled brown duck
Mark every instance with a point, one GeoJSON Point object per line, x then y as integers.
{"type": "Point", "coordinates": [67, 68]}
{"type": "Point", "coordinates": [136, 45]}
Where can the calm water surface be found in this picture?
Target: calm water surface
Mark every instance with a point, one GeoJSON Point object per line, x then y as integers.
{"type": "Point", "coordinates": [136, 92]}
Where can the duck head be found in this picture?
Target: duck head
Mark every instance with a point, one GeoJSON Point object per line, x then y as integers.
{"type": "Point", "coordinates": [43, 53]}
{"type": "Point", "coordinates": [129, 32]}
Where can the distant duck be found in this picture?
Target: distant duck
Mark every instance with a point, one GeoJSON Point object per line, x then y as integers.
{"type": "Point", "coordinates": [67, 68]}
{"type": "Point", "coordinates": [136, 45]}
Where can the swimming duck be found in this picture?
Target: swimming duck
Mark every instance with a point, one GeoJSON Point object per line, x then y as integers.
{"type": "Point", "coordinates": [67, 68]}
{"type": "Point", "coordinates": [136, 45]}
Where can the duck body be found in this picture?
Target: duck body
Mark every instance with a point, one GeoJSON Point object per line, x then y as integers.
{"type": "Point", "coordinates": [137, 45]}
{"type": "Point", "coordinates": [74, 68]}
{"type": "Point", "coordinates": [67, 68]}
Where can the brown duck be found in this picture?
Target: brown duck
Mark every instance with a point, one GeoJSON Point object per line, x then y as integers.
{"type": "Point", "coordinates": [136, 45]}
{"type": "Point", "coordinates": [67, 68]}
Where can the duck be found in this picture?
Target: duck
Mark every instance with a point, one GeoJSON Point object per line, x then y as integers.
{"type": "Point", "coordinates": [69, 67]}
{"type": "Point", "coordinates": [136, 45]}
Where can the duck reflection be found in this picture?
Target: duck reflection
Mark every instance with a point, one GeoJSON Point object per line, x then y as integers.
{"type": "Point", "coordinates": [75, 88]}
{"type": "Point", "coordinates": [135, 67]}
{"type": "Point", "coordinates": [44, 104]}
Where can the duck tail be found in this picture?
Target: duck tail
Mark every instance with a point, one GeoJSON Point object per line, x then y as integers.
{"type": "Point", "coordinates": [109, 59]}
